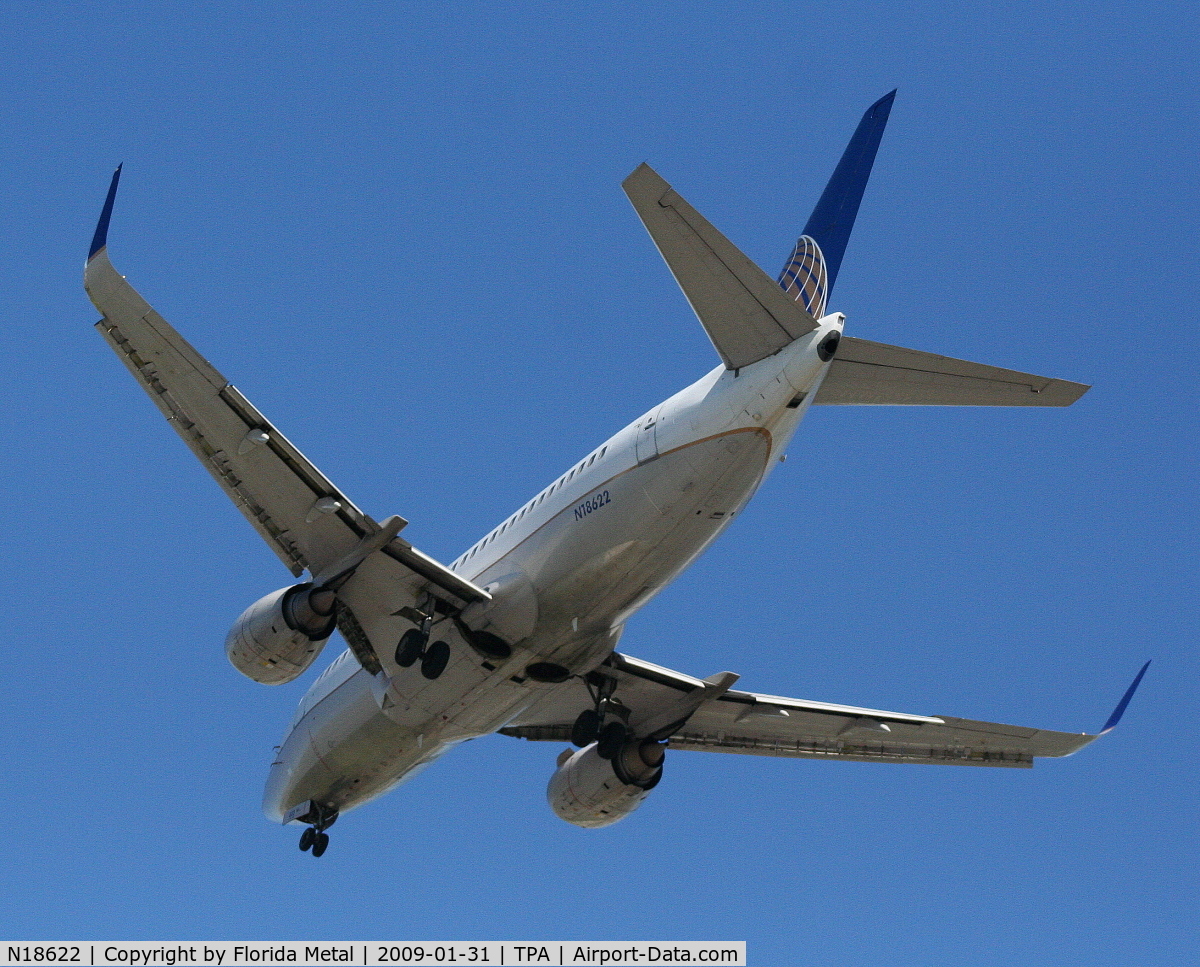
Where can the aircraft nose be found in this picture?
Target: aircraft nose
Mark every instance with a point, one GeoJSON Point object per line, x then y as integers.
{"type": "Point", "coordinates": [275, 792]}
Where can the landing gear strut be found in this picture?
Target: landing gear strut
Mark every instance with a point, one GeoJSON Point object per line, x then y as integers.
{"type": "Point", "coordinates": [604, 724]}
{"type": "Point", "coordinates": [315, 838]}
{"type": "Point", "coordinates": [414, 644]}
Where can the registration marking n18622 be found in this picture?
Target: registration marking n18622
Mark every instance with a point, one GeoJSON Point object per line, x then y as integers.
{"type": "Point", "coordinates": [592, 504]}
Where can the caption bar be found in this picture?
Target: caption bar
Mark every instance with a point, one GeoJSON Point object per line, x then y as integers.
{"type": "Point", "coordinates": [366, 954]}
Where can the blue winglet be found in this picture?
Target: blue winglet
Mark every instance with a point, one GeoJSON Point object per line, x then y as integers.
{"type": "Point", "coordinates": [1120, 709]}
{"type": "Point", "coordinates": [100, 239]}
{"type": "Point", "coordinates": [833, 218]}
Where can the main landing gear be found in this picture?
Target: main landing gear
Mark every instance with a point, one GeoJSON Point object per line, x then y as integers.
{"type": "Point", "coordinates": [414, 644]}
{"type": "Point", "coordinates": [604, 724]}
{"type": "Point", "coordinates": [315, 838]}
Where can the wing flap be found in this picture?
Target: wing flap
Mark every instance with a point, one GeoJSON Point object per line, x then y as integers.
{"type": "Point", "coordinates": [745, 313]}
{"type": "Point", "coordinates": [765, 726]}
{"type": "Point", "coordinates": [866, 373]}
{"type": "Point", "coordinates": [274, 486]}
{"type": "Point", "coordinates": [298, 511]}
{"type": "Point", "coordinates": [754, 724]}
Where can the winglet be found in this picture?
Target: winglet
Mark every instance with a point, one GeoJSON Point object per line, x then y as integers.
{"type": "Point", "coordinates": [100, 239]}
{"type": "Point", "coordinates": [1120, 709]}
{"type": "Point", "coordinates": [833, 218]}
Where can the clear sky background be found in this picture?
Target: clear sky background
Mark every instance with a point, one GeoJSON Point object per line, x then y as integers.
{"type": "Point", "coordinates": [398, 229]}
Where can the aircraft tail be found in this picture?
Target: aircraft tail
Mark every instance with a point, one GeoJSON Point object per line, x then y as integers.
{"type": "Point", "coordinates": [829, 226]}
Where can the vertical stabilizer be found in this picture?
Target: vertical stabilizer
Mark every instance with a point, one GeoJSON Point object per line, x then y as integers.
{"type": "Point", "coordinates": [832, 220]}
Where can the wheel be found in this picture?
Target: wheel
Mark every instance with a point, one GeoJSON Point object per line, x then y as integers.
{"type": "Point", "coordinates": [412, 643]}
{"type": "Point", "coordinates": [320, 843]}
{"type": "Point", "coordinates": [306, 839]}
{"type": "Point", "coordinates": [612, 738]}
{"type": "Point", "coordinates": [434, 662]}
{"type": "Point", "coordinates": [586, 728]}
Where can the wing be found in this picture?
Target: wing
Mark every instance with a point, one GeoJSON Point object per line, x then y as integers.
{"type": "Point", "coordinates": [865, 373]}
{"type": "Point", "coordinates": [745, 312]}
{"type": "Point", "coordinates": [708, 716]}
{"type": "Point", "coordinates": [304, 518]}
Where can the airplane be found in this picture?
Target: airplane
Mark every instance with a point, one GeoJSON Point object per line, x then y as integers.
{"type": "Point", "coordinates": [518, 635]}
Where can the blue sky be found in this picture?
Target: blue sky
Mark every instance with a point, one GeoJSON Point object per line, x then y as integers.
{"type": "Point", "coordinates": [399, 231]}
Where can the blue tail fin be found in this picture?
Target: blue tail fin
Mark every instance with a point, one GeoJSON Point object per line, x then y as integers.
{"type": "Point", "coordinates": [833, 218]}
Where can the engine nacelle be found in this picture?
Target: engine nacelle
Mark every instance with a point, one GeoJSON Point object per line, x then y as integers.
{"type": "Point", "coordinates": [591, 792]}
{"type": "Point", "coordinates": [279, 636]}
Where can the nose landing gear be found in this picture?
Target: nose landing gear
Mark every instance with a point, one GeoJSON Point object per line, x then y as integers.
{"type": "Point", "coordinates": [315, 838]}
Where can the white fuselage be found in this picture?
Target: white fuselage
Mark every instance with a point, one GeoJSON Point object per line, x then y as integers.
{"type": "Point", "coordinates": [587, 552]}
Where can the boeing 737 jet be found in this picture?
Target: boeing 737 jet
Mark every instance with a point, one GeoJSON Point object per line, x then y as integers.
{"type": "Point", "coordinates": [519, 634]}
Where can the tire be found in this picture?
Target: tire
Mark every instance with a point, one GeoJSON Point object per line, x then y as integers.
{"type": "Point", "coordinates": [412, 643]}
{"type": "Point", "coordinates": [320, 843]}
{"type": "Point", "coordinates": [586, 728]}
{"type": "Point", "coordinates": [612, 738]}
{"type": "Point", "coordinates": [436, 658]}
{"type": "Point", "coordinates": [307, 838]}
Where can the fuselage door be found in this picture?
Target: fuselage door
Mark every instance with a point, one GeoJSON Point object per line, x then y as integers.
{"type": "Point", "coordinates": [647, 447]}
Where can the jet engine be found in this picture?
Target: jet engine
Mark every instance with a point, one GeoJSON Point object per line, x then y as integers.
{"type": "Point", "coordinates": [279, 636]}
{"type": "Point", "coordinates": [591, 792]}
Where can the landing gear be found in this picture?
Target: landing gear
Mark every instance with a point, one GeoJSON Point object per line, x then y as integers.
{"type": "Point", "coordinates": [414, 644]}
{"type": "Point", "coordinates": [314, 837]}
{"type": "Point", "coordinates": [612, 739]}
{"type": "Point", "coordinates": [586, 728]}
{"type": "Point", "coordinates": [434, 661]}
{"type": "Point", "coordinates": [606, 723]}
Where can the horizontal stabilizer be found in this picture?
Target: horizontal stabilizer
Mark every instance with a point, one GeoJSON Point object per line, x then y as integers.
{"type": "Point", "coordinates": [868, 373]}
{"type": "Point", "coordinates": [746, 314]}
